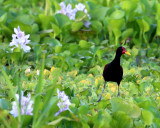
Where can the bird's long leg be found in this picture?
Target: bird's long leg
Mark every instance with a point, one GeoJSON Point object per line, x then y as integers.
{"type": "Point", "coordinates": [102, 92]}
{"type": "Point", "coordinates": [118, 91]}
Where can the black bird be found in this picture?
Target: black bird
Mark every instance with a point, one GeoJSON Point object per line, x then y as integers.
{"type": "Point", "coordinates": [114, 71]}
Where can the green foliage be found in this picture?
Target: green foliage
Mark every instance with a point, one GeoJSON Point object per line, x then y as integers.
{"type": "Point", "coordinates": [74, 60]}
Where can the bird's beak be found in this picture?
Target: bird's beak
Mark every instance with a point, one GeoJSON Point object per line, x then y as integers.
{"type": "Point", "coordinates": [127, 53]}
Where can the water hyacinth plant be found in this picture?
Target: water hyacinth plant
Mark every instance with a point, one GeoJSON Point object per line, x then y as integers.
{"type": "Point", "coordinates": [26, 105]}
{"type": "Point", "coordinates": [63, 102]}
{"type": "Point", "coordinates": [20, 39]}
{"type": "Point", "coordinates": [71, 13]}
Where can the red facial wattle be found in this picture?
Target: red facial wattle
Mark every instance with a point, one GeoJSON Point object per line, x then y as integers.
{"type": "Point", "coordinates": [124, 51]}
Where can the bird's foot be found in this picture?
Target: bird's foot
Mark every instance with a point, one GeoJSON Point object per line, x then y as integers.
{"type": "Point", "coordinates": [118, 94]}
{"type": "Point", "coordinates": [99, 99]}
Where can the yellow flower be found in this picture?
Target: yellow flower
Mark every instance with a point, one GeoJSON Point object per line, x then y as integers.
{"type": "Point", "coordinates": [90, 75]}
{"type": "Point", "coordinates": [113, 89]}
{"type": "Point", "coordinates": [107, 96]}
{"type": "Point", "coordinates": [158, 97]}
{"type": "Point", "coordinates": [138, 81]}
{"type": "Point", "coordinates": [78, 95]}
{"type": "Point", "coordinates": [72, 73]}
{"type": "Point", "coordinates": [46, 72]}
{"type": "Point", "coordinates": [148, 93]}
{"type": "Point", "coordinates": [52, 69]}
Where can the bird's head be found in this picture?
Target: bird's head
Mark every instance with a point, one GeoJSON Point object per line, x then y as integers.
{"type": "Point", "coordinates": [122, 50]}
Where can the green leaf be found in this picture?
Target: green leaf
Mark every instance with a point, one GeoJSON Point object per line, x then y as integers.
{"type": "Point", "coordinates": [127, 33]}
{"type": "Point", "coordinates": [84, 44]}
{"type": "Point", "coordinates": [96, 26]}
{"type": "Point", "coordinates": [76, 26]}
{"type": "Point", "coordinates": [83, 109]}
{"type": "Point", "coordinates": [117, 14]}
{"type": "Point", "coordinates": [129, 108]}
{"type": "Point", "coordinates": [121, 120]}
{"type": "Point", "coordinates": [62, 20]}
{"type": "Point", "coordinates": [98, 13]}
{"type": "Point", "coordinates": [26, 19]}
{"type": "Point", "coordinates": [58, 120]}
{"type": "Point", "coordinates": [3, 18]}
{"type": "Point", "coordinates": [144, 25]}
{"type": "Point", "coordinates": [56, 30]}
{"type": "Point", "coordinates": [4, 104]}
{"type": "Point", "coordinates": [148, 117]}
{"type": "Point", "coordinates": [128, 6]}
{"type": "Point", "coordinates": [81, 16]}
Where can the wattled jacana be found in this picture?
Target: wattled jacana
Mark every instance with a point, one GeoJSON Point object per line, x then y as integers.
{"type": "Point", "coordinates": [114, 71]}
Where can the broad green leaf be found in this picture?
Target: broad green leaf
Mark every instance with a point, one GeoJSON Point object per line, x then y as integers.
{"type": "Point", "coordinates": [84, 44]}
{"type": "Point", "coordinates": [130, 109]}
{"type": "Point", "coordinates": [4, 104]}
{"type": "Point", "coordinates": [3, 18]}
{"type": "Point", "coordinates": [76, 26]}
{"type": "Point", "coordinates": [117, 14]}
{"type": "Point", "coordinates": [62, 20]}
{"type": "Point", "coordinates": [26, 19]}
{"type": "Point", "coordinates": [56, 30]}
{"type": "Point", "coordinates": [96, 26]}
{"type": "Point", "coordinates": [127, 33]}
{"type": "Point", "coordinates": [81, 16]}
{"type": "Point", "coordinates": [148, 117]}
{"type": "Point", "coordinates": [144, 25]}
{"type": "Point", "coordinates": [128, 6]}
{"type": "Point", "coordinates": [121, 120]}
{"type": "Point", "coordinates": [98, 13]}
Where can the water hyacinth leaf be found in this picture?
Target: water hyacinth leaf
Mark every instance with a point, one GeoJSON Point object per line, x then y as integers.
{"type": "Point", "coordinates": [76, 26]}
{"type": "Point", "coordinates": [102, 119]}
{"type": "Point", "coordinates": [98, 13]}
{"type": "Point", "coordinates": [26, 19]}
{"type": "Point", "coordinates": [121, 120]}
{"type": "Point", "coordinates": [148, 117]}
{"type": "Point", "coordinates": [128, 6]}
{"type": "Point", "coordinates": [35, 38]}
{"type": "Point", "coordinates": [117, 14]}
{"type": "Point", "coordinates": [96, 26]}
{"type": "Point", "coordinates": [85, 92]}
{"type": "Point", "coordinates": [62, 20]}
{"type": "Point", "coordinates": [83, 109]}
{"type": "Point", "coordinates": [27, 119]}
{"type": "Point", "coordinates": [144, 25]}
{"type": "Point", "coordinates": [116, 23]}
{"type": "Point", "coordinates": [35, 28]}
{"type": "Point", "coordinates": [130, 109]}
{"type": "Point", "coordinates": [76, 101]}
{"type": "Point", "coordinates": [127, 33]}
{"type": "Point", "coordinates": [3, 18]}
{"type": "Point", "coordinates": [84, 44]}
{"type": "Point", "coordinates": [58, 120]}
{"type": "Point", "coordinates": [4, 104]}
{"type": "Point", "coordinates": [46, 21]}
{"type": "Point", "coordinates": [24, 27]}
{"type": "Point", "coordinates": [81, 16]}
{"type": "Point", "coordinates": [56, 30]}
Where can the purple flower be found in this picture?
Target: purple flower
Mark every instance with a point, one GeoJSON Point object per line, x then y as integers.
{"type": "Point", "coordinates": [71, 13]}
{"type": "Point", "coordinates": [63, 102]}
{"type": "Point", "coordinates": [80, 7]}
{"type": "Point", "coordinates": [26, 105]}
{"type": "Point", "coordinates": [87, 24]}
{"type": "Point", "coordinates": [20, 39]}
